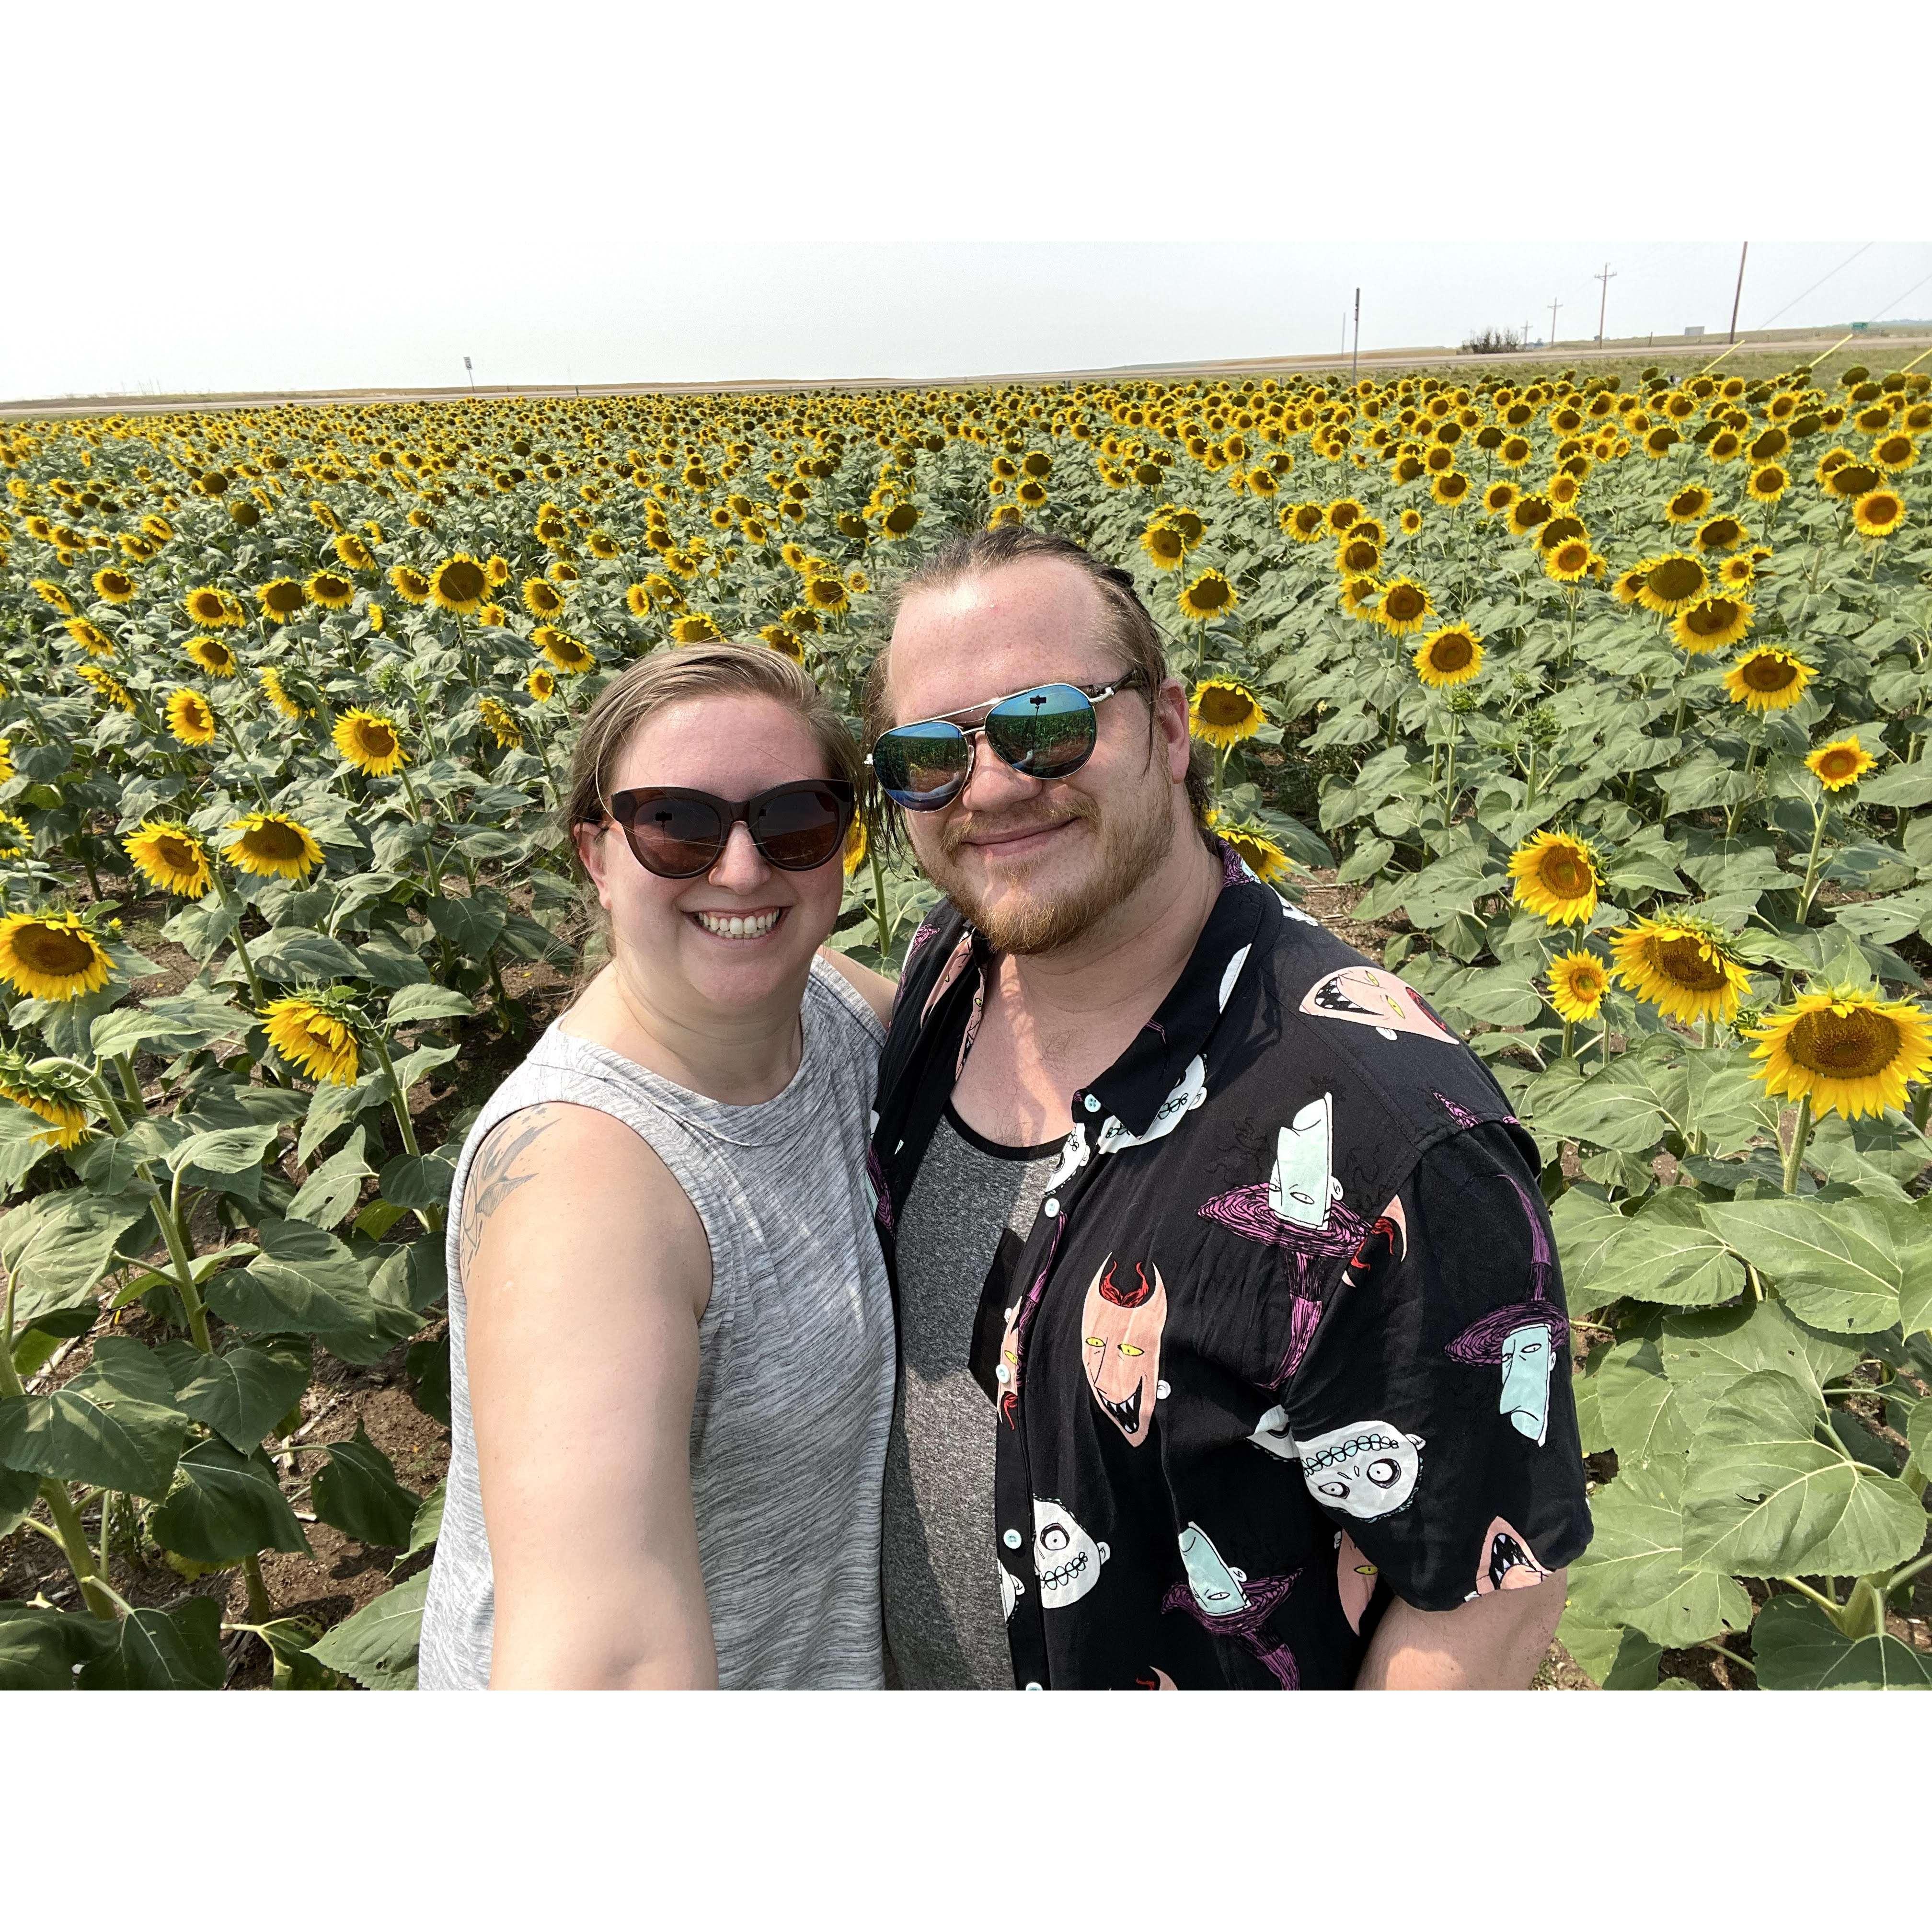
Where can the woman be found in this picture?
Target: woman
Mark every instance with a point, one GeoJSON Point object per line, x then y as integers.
{"type": "Point", "coordinates": [670, 1335]}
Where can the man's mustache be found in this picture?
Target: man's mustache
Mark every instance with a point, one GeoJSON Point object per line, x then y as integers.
{"type": "Point", "coordinates": [961, 831]}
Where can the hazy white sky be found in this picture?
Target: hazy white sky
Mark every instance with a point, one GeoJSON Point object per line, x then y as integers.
{"type": "Point", "coordinates": [363, 197]}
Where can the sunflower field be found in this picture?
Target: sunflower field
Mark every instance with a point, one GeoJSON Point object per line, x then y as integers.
{"type": "Point", "coordinates": [1596, 703]}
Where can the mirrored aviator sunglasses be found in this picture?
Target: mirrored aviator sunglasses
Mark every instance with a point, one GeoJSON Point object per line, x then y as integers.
{"type": "Point", "coordinates": [1048, 732]}
{"type": "Point", "coordinates": [678, 834]}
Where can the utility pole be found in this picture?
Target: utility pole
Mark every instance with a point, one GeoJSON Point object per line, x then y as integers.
{"type": "Point", "coordinates": [1553, 307]}
{"type": "Point", "coordinates": [1607, 277]}
{"type": "Point", "coordinates": [1740, 296]}
{"type": "Point", "coordinates": [1354, 366]}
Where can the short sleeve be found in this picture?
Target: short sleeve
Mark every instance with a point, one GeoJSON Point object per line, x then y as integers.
{"type": "Point", "coordinates": [1433, 1410]}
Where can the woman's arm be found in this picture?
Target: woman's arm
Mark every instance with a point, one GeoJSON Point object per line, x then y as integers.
{"type": "Point", "coordinates": [1496, 1642]}
{"type": "Point", "coordinates": [586, 1272]}
{"type": "Point", "coordinates": [877, 990]}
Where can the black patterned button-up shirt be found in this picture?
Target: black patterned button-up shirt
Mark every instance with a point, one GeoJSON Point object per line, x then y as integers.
{"type": "Point", "coordinates": [1287, 1335]}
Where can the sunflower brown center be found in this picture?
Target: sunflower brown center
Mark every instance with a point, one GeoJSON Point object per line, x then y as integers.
{"type": "Point", "coordinates": [462, 581]}
{"type": "Point", "coordinates": [1676, 578]}
{"type": "Point", "coordinates": [1838, 763]}
{"type": "Point", "coordinates": [284, 597]}
{"type": "Point", "coordinates": [56, 950]}
{"type": "Point", "coordinates": [272, 841]}
{"type": "Point", "coordinates": [1210, 593]}
{"type": "Point", "coordinates": [1686, 963]}
{"type": "Point", "coordinates": [1567, 874]}
{"type": "Point", "coordinates": [1768, 673]}
{"type": "Point", "coordinates": [377, 741]}
{"type": "Point", "coordinates": [1403, 603]}
{"type": "Point", "coordinates": [1848, 1046]}
{"type": "Point", "coordinates": [177, 854]}
{"type": "Point", "coordinates": [1224, 708]}
{"type": "Point", "coordinates": [1452, 653]}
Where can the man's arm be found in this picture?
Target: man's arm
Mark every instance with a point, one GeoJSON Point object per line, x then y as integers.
{"type": "Point", "coordinates": [586, 1273]}
{"type": "Point", "coordinates": [1495, 1643]}
{"type": "Point", "coordinates": [875, 987]}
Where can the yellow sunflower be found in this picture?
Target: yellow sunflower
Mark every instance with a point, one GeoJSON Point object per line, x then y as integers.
{"type": "Point", "coordinates": [1223, 713]}
{"type": "Point", "coordinates": [1578, 982]}
{"type": "Point", "coordinates": [52, 955]}
{"type": "Point", "coordinates": [1165, 548]}
{"type": "Point", "coordinates": [352, 553]}
{"type": "Point", "coordinates": [280, 599]}
{"type": "Point", "coordinates": [409, 583]}
{"type": "Point", "coordinates": [331, 589]}
{"type": "Point", "coordinates": [213, 656]}
{"type": "Point", "coordinates": [1845, 1050]}
{"type": "Point", "coordinates": [1878, 513]}
{"type": "Point", "coordinates": [541, 684]}
{"type": "Point", "coordinates": [367, 740]}
{"type": "Point", "coordinates": [170, 857]}
{"type": "Point", "coordinates": [1683, 965]}
{"type": "Point", "coordinates": [458, 584]}
{"type": "Point", "coordinates": [1557, 877]}
{"type": "Point", "coordinates": [90, 637]}
{"type": "Point", "coordinates": [52, 594]}
{"type": "Point", "coordinates": [208, 608]}
{"type": "Point", "coordinates": [856, 846]}
{"type": "Point", "coordinates": [1256, 847]}
{"type": "Point", "coordinates": [1842, 763]}
{"type": "Point", "coordinates": [57, 1093]}
{"type": "Point", "coordinates": [826, 593]}
{"type": "Point", "coordinates": [1569, 561]}
{"type": "Point", "coordinates": [1768, 678]}
{"type": "Point", "coordinates": [783, 639]}
{"type": "Point", "coordinates": [16, 840]}
{"type": "Point", "coordinates": [1711, 624]}
{"type": "Point", "coordinates": [1737, 573]}
{"type": "Point", "coordinates": [191, 717]}
{"type": "Point", "coordinates": [272, 845]}
{"type": "Point", "coordinates": [695, 627]}
{"type": "Point", "coordinates": [1305, 522]}
{"type": "Point", "coordinates": [1671, 583]}
{"type": "Point", "coordinates": [1451, 656]}
{"type": "Point", "coordinates": [313, 1036]}
{"type": "Point", "coordinates": [542, 599]}
{"type": "Point", "coordinates": [1208, 596]}
{"type": "Point", "coordinates": [1768, 482]}
{"type": "Point", "coordinates": [114, 587]}
{"type": "Point", "coordinates": [1690, 504]}
{"type": "Point", "coordinates": [568, 653]}
{"type": "Point", "coordinates": [501, 722]}
{"type": "Point", "coordinates": [1404, 607]}
{"type": "Point", "coordinates": [278, 696]}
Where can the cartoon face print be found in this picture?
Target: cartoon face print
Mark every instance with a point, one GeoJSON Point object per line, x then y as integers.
{"type": "Point", "coordinates": [1272, 1434]}
{"type": "Point", "coordinates": [1217, 1589]}
{"type": "Point", "coordinates": [1011, 1591]}
{"type": "Point", "coordinates": [1527, 1357]}
{"type": "Point", "coordinates": [1365, 996]}
{"type": "Point", "coordinates": [1365, 1469]}
{"type": "Point", "coordinates": [1302, 1185]}
{"type": "Point", "coordinates": [1355, 1579]}
{"type": "Point", "coordinates": [1506, 1562]}
{"type": "Point", "coordinates": [1159, 1680]}
{"type": "Point", "coordinates": [1189, 1093]}
{"type": "Point", "coordinates": [1065, 1559]}
{"type": "Point", "coordinates": [1121, 1323]}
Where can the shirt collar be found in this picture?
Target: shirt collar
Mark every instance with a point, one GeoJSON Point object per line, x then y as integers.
{"type": "Point", "coordinates": [1133, 1089]}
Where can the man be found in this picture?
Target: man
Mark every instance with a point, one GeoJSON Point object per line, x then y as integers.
{"type": "Point", "coordinates": [1227, 1302]}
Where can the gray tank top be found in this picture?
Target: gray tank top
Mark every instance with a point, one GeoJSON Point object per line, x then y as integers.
{"type": "Point", "coordinates": [795, 1357]}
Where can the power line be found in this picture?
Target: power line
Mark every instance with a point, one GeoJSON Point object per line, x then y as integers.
{"type": "Point", "coordinates": [1819, 284]}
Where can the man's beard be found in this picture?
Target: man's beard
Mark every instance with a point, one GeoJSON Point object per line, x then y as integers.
{"type": "Point", "coordinates": [1131, 848]}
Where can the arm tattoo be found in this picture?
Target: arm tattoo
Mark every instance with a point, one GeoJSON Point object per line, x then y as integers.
{"type": "Point", "coordinates": [497, 1172]}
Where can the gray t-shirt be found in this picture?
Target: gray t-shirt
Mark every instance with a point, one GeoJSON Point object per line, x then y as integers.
{"type": "Point", "coordinates": [795, 1358]}
{"type": "Point", "coordinates": [945, 1624]}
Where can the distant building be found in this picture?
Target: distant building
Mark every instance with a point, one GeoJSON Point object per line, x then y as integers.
{"type": "Point", "coordinates": [1695, 328]}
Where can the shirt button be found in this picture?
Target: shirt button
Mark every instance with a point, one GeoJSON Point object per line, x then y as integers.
{"type": "Point", "coordinates": [1050, 1206]}
{"type": "Point", "coordinates": [1011, 1539]}
{"type": "Point", "coordinates": [1033, 1687]}
{"type": "Point", "coordinates": [1003, 1373]}
{"type": "Point", "coordinates": [1093, 1104]}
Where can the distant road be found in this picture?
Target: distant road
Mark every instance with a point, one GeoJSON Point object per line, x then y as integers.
{"type": "Point", "coordinates": [1779, 343]}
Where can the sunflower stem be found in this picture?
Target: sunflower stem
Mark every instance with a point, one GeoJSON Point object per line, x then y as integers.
{"type": "Point", "coordinates": [241, 945]}
{"type": "Point", "coordinates": [1818, 815]}
{"type": "Point", "coordinates": [124, 1068]}
{"type": "Point", "coordinates": [1794, 1160]}
{"type": "Point", "coordinates": [93, 1590]}
{"type": "Point", "coordinates": [879, 920]}
{"type": "Point", "coordinates": [1921, 1107]}
{"type": "Point", "coordinates": [1569, 1040]}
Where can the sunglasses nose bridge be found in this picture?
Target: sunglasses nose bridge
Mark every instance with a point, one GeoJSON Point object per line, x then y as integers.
{"type": "Point", "coordinates": [738, 857]}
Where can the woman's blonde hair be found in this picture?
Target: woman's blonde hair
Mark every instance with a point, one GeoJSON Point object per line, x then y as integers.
{"type": "Point", "coordinates": [641, 690]}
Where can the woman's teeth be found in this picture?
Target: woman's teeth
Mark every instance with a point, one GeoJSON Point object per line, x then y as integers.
{"type": "Point", "coordinates": [730, 926]}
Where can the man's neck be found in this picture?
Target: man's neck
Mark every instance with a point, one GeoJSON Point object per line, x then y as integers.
{"type": "Point", "coordinates": [1114, 976]}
